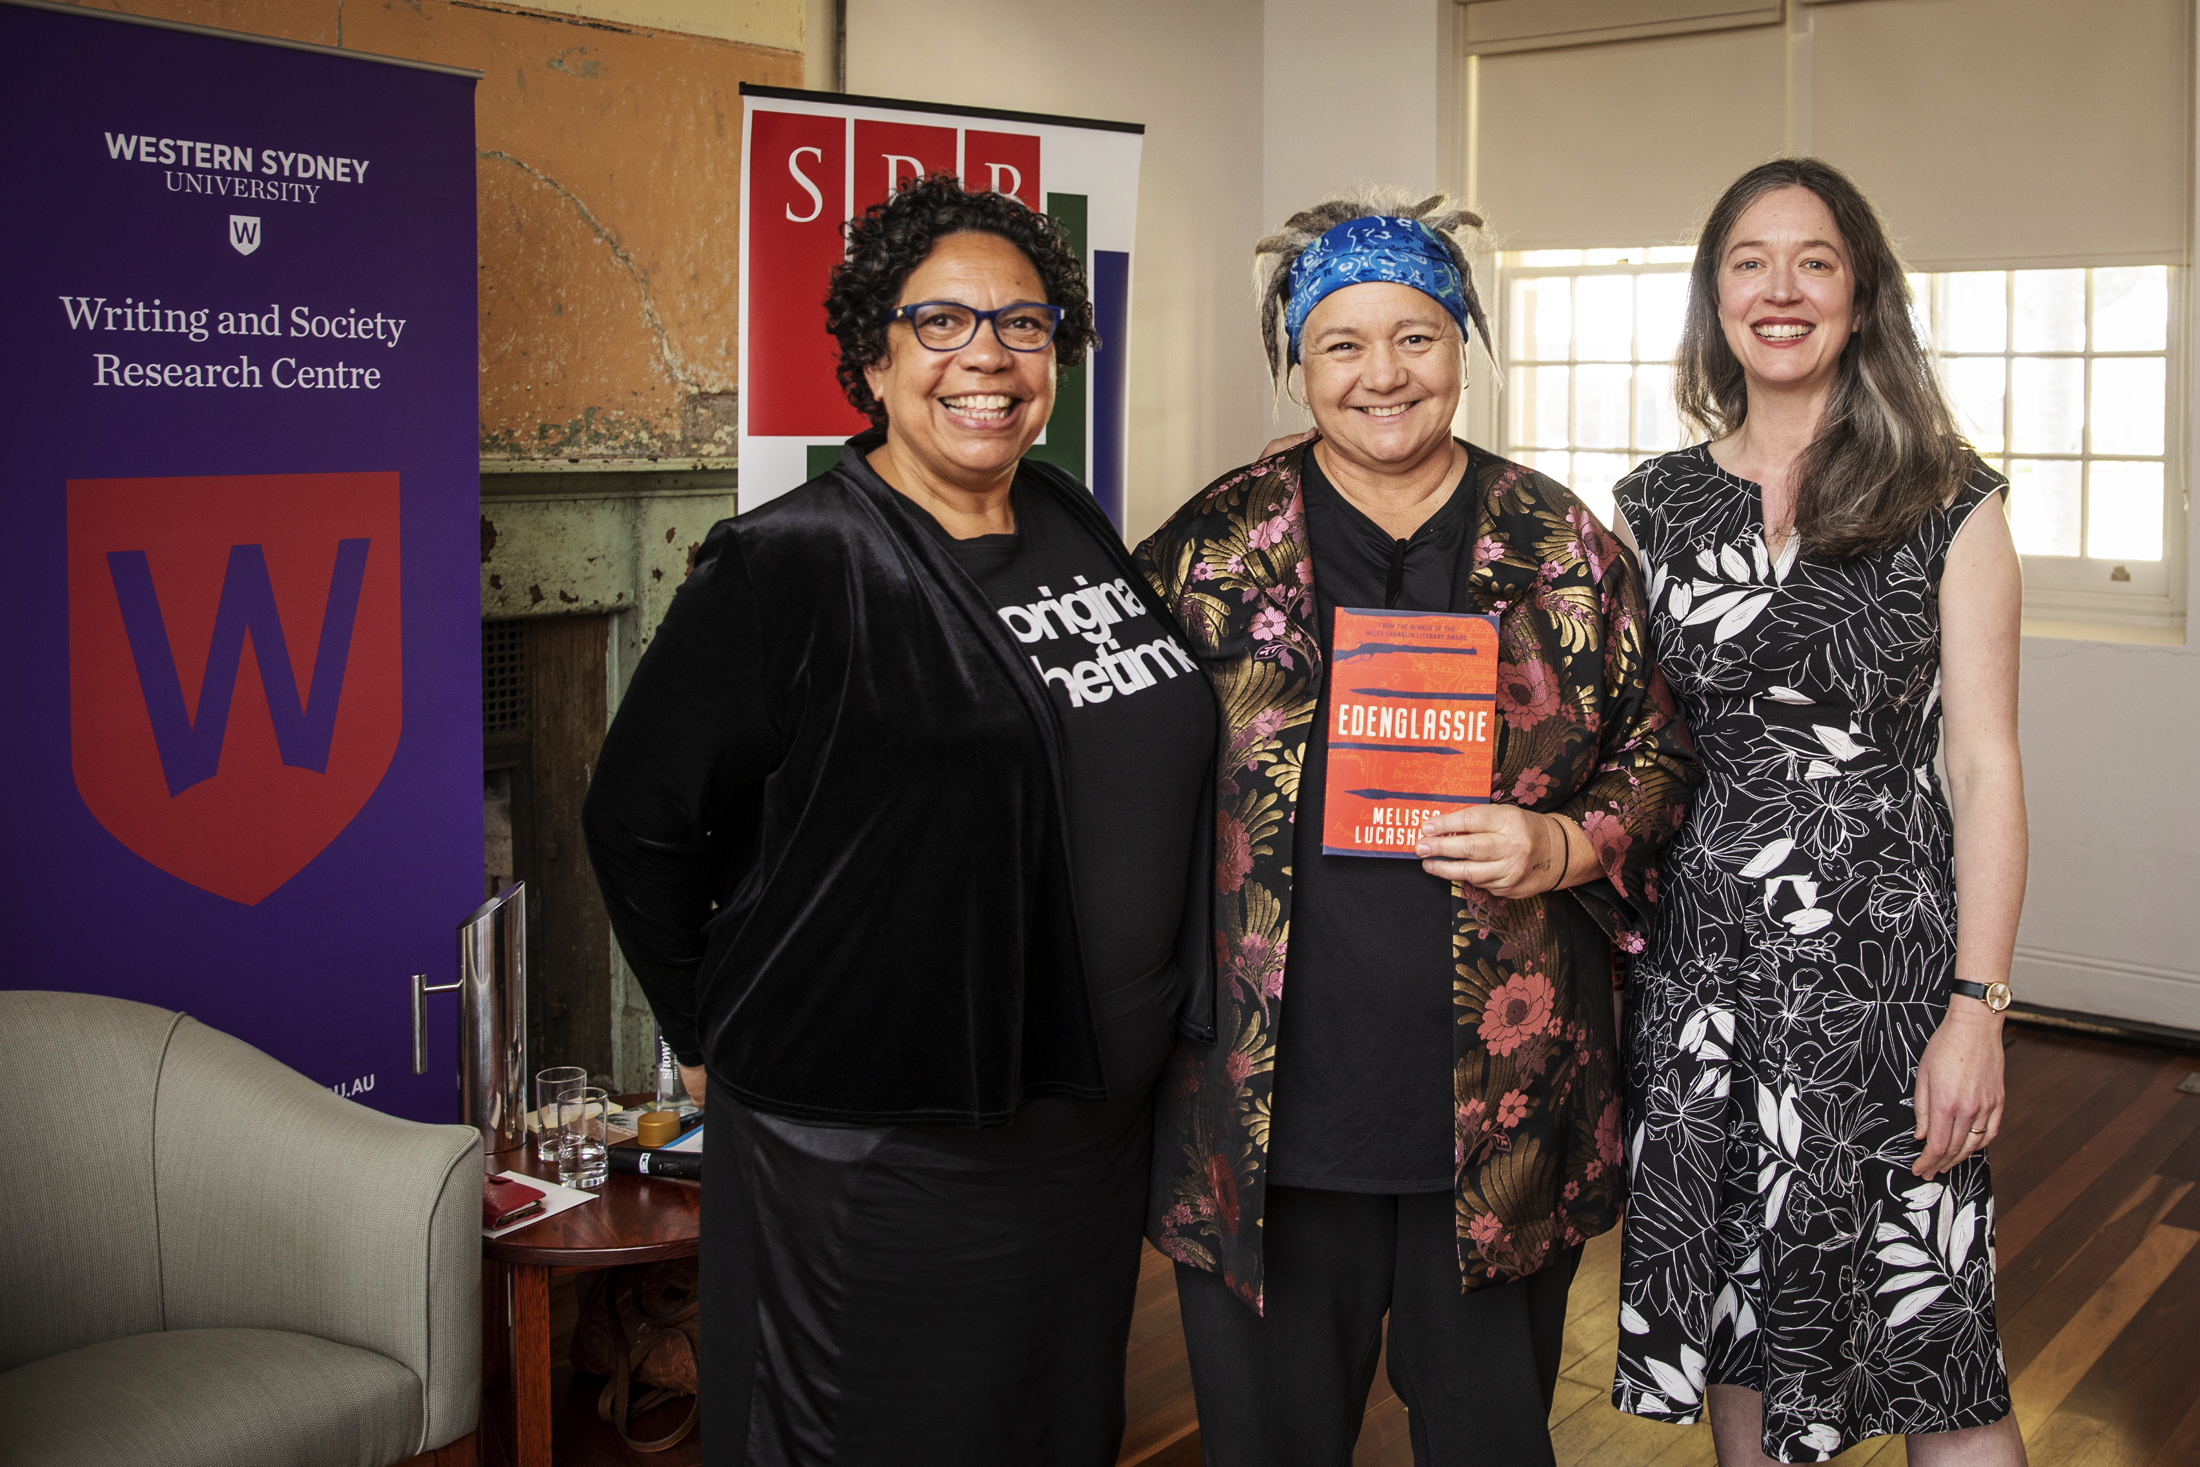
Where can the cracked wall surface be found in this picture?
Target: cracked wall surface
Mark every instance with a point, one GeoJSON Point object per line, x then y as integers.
{"type": "Point", "coordinates": [608, 172]}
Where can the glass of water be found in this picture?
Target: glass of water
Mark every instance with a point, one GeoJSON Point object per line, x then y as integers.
{"type": "Point", "coordinates": [552, 1086]}
{"type": "Point", "coordinates": [584, 1123]}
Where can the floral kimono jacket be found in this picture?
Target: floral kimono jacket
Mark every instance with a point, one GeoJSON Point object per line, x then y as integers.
{"type": "Point", "coordinates": [1587, 730]}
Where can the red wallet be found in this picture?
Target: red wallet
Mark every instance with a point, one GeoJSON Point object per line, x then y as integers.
{"type": "Point", "coordinates": [504, 1201]}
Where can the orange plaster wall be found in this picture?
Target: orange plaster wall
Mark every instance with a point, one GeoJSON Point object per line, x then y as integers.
{"type": "Point", "coordinates": [608, 162]}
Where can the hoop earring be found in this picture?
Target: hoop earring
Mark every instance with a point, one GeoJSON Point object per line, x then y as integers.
{"type": "Point", "coordinates": [1287, 392]}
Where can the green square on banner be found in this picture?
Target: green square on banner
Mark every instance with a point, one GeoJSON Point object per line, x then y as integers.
{"type": "Point", "coordinates": [819, 458]}
{"type": "Point", "coordinates": [1065, 445]}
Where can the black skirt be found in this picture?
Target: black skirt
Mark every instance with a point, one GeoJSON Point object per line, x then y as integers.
{"type": "Point", "coordinates": [923, 1294]}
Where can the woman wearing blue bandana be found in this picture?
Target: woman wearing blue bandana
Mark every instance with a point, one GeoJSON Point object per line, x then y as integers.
{"type": "Point", "coordinates": [1436, 1128]}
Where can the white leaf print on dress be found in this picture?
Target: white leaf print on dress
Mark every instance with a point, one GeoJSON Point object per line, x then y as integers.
{"type": "Point", "coordinates": [1771, 856]}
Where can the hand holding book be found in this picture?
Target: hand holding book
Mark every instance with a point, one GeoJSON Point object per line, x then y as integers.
{"type": "Point", "coordinates": [1506, 851]}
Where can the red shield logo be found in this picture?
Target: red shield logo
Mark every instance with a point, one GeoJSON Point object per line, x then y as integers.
{"type": "Point", "coordinates": [236, 675]}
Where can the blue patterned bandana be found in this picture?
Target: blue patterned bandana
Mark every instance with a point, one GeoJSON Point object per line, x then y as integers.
{"type": "Point", "coordinates": [1380, 247]}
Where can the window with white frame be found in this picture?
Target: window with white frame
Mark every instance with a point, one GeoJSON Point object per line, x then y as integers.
{"type": "Point", "coordinates": [2062, 379]}
{"type": "Point", "coordinates": [1589, 340]}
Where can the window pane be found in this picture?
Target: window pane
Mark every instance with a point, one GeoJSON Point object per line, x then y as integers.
{"type": "Point", "coordinates": [1921, 314]}
{"type": "Point", "coordinates": [1600, 406]}
{"type": "Point", "coordinates": [2124, 512]}
{"type": "Point", "coordinates": [1594, 476]}
{"type": "Point", "coordinates": [1604, 318]}
{"type": "Point", "coordinates": [1538, 407]}
{"type": "Point", "coordinates": [2050, 310]}
{"type": "Point", "coordinates": [2043, 506]}
{"type": "Point", "coordinates": [2131, 308]}
{"type": "Point", "coordinates": [1974, 311]}
{"type": "Point", "coordinates": [1611, 257]}
{"type": "Point", "coordinates": [1671, 254]}
{"type": "Point", "coordinates": [2127, 405]}
{"type": "Point", "coordinates": [2047, 405]}
{"type": "Point", "coordinates": [1978, 385]}
{"type": "Point", "coordinates": [1660, 303]}
{"type": "Point", "coordinates": [1547, 257]}
{"type": "Point", "coordinates": [1657, 424]}
{"type": "Point", "coordinates": [1559, 466]}
{"type": "Point", "coordinates": [1542, 320]}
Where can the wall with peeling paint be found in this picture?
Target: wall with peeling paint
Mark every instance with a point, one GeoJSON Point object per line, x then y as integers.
{"type": "Point", "coordinates": [774, 23]}
{"type": "Point", "coordinates": [609, 154]}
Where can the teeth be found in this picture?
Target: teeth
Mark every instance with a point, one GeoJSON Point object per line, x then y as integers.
{"type": "Point", "coordinates": [980, 404]}
{"type": "Point", "coordinates": [1387, 412]}
{"type": "Point", "coordinates": [1780, 333]}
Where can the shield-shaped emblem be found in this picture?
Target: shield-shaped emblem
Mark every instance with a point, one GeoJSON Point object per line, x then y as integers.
{"type": "Point", "coordinates": [235, 666]}
{"type": "Point", "coordinates": [244, 233]}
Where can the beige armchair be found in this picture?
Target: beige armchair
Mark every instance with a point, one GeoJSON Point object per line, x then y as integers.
{"type": "Point", "coordinates": [206, 1258]}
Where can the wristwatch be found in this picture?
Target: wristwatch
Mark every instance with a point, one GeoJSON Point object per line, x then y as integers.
{"type": "Point", "coordinates": [1994, 995]}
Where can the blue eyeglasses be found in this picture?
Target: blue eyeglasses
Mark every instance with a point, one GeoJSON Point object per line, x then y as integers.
{"type": "Point", "coordinates": [951, 325]}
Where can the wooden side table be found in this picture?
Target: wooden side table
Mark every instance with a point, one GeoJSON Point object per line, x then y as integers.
{"type": "Point", "coordinates": [634, 1220]}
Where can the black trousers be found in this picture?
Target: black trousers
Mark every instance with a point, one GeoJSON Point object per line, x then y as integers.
{"type": "Point", "coordinates": [923, 1296]}
{"type": "Point", "coordinates": [1475, 1371]}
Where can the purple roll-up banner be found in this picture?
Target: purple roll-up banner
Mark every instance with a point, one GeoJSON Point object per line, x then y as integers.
{"type": "Point", "coordinates": [240, 757]}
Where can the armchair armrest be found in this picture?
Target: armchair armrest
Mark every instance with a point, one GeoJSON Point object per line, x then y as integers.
{"type": "Point", "coordinates": [282, 1206]}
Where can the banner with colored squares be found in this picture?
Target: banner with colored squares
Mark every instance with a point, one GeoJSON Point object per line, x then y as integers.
{"type": "Point", "coordinates": [812, 161]}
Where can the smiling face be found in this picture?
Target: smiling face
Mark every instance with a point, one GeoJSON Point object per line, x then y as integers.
{"type": "Point", "coordinates": [1384, 367]}
{"type": "Point", "coordinates": [1787, 292]}
{"type": "Point", "coordinates": [965, 417]}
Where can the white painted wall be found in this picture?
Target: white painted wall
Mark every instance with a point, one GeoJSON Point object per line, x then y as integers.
{"type": "Point", "coordinates": [1349, 94]}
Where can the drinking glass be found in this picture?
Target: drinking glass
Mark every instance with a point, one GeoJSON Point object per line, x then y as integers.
{"type": "Point", "coordinates": [551, 1086]}
{"type": "Point", "coordinates": [584, 1137]}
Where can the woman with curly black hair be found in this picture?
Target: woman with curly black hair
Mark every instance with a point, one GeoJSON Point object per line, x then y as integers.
{"type": "Point", "coordinates": [897, 828]}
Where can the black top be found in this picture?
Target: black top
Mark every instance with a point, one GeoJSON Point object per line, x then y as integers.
{"type": "Point", "coordinates": [1363, 1067]}
{"type": "Point", "coordinates": [830, 822]}
{"type": "Point", "coordinates": [1138, 732]}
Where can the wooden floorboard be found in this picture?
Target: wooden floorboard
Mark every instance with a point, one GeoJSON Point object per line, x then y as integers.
{"type": "Point", "coordinates": [2097, 1180]}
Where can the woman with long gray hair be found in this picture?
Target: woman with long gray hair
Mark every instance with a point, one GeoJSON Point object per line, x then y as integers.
{"type": "Point", "coordinates": [1436, 1129]}
{"type": "Point", "coordinates": [1813, 1040]}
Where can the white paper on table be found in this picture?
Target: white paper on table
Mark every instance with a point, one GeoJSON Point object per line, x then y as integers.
{"type": "Point", "coordinates": [692, 1141]}
{"type": "Point", "coordinates": [556, 1198]}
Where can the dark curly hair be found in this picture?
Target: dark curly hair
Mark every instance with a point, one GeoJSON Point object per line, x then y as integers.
{"type": "Point", "coordinates": [893, 238]}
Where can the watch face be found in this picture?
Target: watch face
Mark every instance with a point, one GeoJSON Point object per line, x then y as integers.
{"type": "Point", "coordinates": [1997, 996]}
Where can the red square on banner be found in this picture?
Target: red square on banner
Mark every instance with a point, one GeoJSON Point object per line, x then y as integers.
{"type": "Point", "coordinates": [797, 201]}
{"type": "Point", "coordinates": [1004, 163]}
{"type": "Point", "coordinates": [890, 154]}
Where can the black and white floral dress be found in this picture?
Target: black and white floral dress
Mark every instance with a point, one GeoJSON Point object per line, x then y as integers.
{"type": "Point", "coordinates": [1800, 958]}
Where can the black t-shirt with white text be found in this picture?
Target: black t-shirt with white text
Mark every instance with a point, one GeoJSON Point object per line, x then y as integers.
{"type": "Point", "coordinates": [1137, 720]}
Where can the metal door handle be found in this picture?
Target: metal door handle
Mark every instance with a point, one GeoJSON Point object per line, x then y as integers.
{"type": "Point", "coordinates": [421, 989]}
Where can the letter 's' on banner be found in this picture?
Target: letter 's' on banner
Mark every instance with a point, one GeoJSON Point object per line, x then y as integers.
{"type": "Point", "coordinates": [240, 767]}
{"type": "Point", "coordinates": [811, 161]}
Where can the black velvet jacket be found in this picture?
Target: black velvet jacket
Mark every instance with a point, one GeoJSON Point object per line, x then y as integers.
{"type": "Point", "coordinates": [829, 824]}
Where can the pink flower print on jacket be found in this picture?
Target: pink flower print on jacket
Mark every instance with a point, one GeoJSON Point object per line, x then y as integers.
{"type": "Point", "coordinates": [1269, 532]}
{"type": "Point", "coordinates": [1517, 1012]}
{"type": "Point", "coordinates": [1526, 693]}
{"type": "Point", "coordinates": [1233, 852]}
{"type": "Point", "coordinates": [1610, 839]}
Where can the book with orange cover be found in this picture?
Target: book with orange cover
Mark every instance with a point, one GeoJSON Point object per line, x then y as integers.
{"type": "Point", "coordinates": [1412, 725]}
